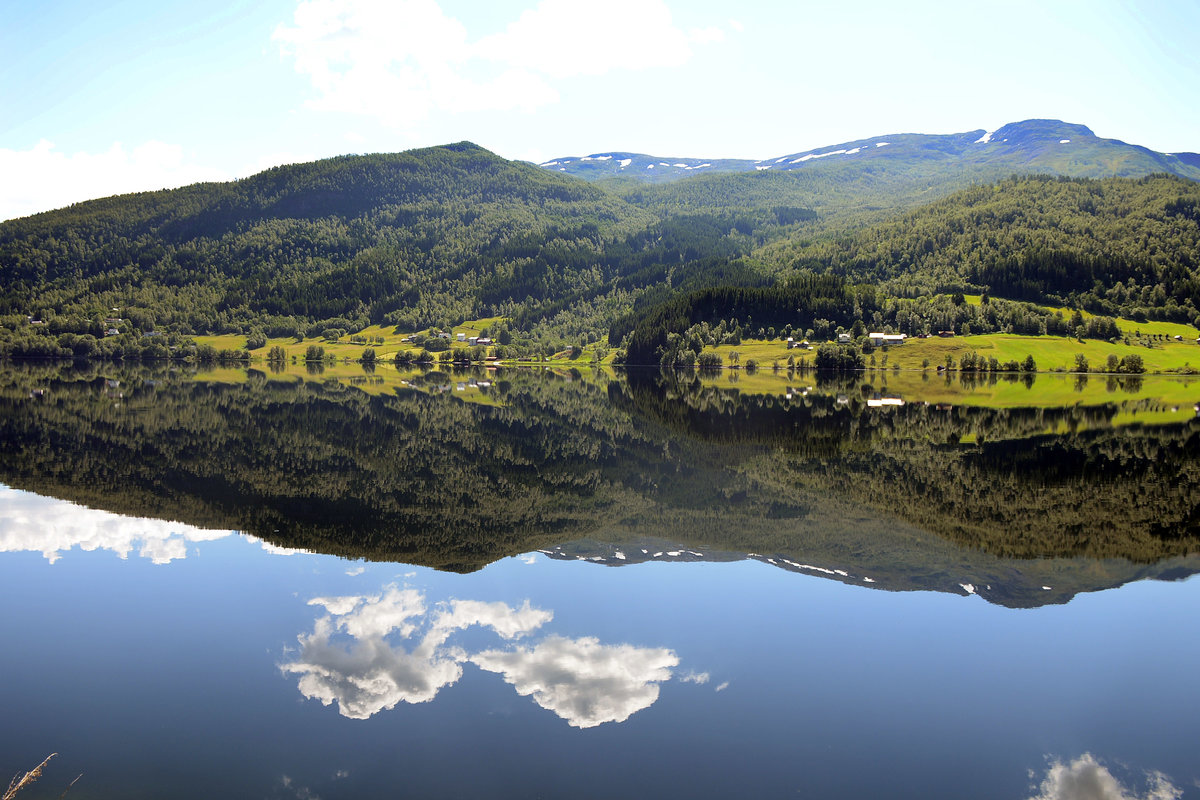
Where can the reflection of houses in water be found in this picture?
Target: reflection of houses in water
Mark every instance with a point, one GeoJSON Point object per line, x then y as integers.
{"type": "Point", "coordinates": [884, 400]}
{"type": "Point", "coordinates": [843, 400]}
{"type": "Point", "coordinates": [801, 391]}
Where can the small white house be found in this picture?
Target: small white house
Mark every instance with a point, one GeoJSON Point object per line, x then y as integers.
{"type": "Point", "coordinates": [883, 401]}
{"type": "Point", "coordinates": [462, 337]}
{"type": "Point", "coordinates": [844, 338]}
{"type": "Point", "coordinates": [879, 339]}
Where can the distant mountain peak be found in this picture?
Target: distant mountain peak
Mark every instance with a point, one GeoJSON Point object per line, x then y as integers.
{"type": "Point", "coordinates": [1041, 130]}
{"type": "Point", "coordinates": [1048, 146]}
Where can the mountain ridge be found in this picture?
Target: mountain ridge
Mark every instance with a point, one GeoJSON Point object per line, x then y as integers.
{"type": "Point", "coordinates": [1035, 144]}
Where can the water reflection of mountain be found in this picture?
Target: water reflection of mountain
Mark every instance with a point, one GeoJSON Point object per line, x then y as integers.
{"type": "Point", "coordinates": [989, 477]}
{"type": "Point", "coordinates": [910, 496]}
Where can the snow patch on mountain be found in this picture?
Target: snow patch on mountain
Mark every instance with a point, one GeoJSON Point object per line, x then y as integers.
{"type": "Point", "coordinates": [820, 155]}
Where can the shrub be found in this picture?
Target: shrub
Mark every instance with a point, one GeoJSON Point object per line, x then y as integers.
{"type": "Point", "coordinates": [1132, 364]}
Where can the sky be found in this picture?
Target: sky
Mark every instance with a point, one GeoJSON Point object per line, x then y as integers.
{"type": "Point", "coordinates": [104, 98]}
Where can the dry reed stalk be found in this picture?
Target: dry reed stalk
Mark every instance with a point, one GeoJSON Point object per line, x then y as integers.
{"type": "Point", "coordinates": [19, 782]}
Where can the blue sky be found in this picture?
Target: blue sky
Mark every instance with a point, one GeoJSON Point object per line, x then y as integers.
{"type": "Point", "coordinates": [99, 99]}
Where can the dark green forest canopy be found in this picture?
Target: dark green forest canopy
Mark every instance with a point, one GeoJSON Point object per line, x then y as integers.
{"type": "Point", "coordinates": [1128, 247]}
{"type": "Point", "coordinates": [419, 237]}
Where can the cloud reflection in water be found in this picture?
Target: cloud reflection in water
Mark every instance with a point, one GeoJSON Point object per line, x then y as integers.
{"type": "Point", "coordinates": [369, 653]}
{"type": "Point", "coordinates": [1087, 779]}
{"type": "Point", "coordinates": [30, 522]}
{"type": "Point", "coordinates": [584, 682]}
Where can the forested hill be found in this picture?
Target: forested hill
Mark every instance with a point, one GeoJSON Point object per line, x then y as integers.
{"type": "Point", "coordinates": [1112, 246]}
{"type": "Point", "coordinates": [436, 236]}
{"type": "Point", "coordinates": [419, 237]}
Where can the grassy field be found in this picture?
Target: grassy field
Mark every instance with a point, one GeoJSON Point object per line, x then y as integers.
{"type": "Point", "coordinates": [1129, 327]}
{"type": "Point", "coordinates": [386, 340]}
{"type": "Point", "coordinates": [343, 348]}
{"type": "Point", "coordinates": [384, 379]}
{"type": "Point", "coordinates": [1051, 353]}
{"type": "Point", "coordinates": [1147, 400]}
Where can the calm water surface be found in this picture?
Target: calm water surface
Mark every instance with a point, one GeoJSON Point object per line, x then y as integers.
{"type": "Point", "coordinates": [608, 591]}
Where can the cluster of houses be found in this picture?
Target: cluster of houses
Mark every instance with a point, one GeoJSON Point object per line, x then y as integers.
{"type": "Point", "coordinates": [110, 323]}
{"type": "Point", "coordinates": [876, 339]}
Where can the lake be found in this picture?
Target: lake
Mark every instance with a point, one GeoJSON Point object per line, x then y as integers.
{"type": "Point", "coordinates": [570, 583]}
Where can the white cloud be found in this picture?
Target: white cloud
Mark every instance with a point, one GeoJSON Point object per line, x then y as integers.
{"type": "Point", "coordinates": [367, 674]}
{"type": "Point", "coordinates": [396, 61]}
{"type": "Point", "coordinates": [350, 660]}
{"type": "Point", "coordinates": [370, 653]}
{"type": "Point", "coordinates": [698, 678]}
{"type": "Point", "coordinates": [30, 522]}
{"type": "Point", "coordinates": [275, 549]}
{"type": "Point", "coordinates": [1087, 779]}
{"type": "Point", "coordinates": [706, 35]}
{"type": "Point", "coordinates": [43, 177]}
{"type": "Point", "coordinates": [584, 682]}
{"type": "Point", "coordinates": [508, 622]}
{"type": "Point", "coordinates": [400, 61]}
{"type": "Point", "coordinates": [566, 38]}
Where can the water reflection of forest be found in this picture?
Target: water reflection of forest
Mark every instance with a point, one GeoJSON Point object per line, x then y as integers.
{"type": "Point", "coordinates": [411, 472]}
